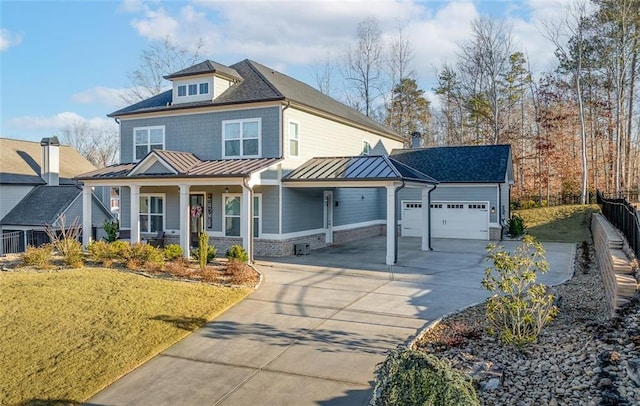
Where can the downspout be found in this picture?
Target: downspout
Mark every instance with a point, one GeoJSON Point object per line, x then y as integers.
{"type": "Point", "coordinates": [395, 223]}
{"type": "Point", "coordinates": [429, 213]}
{"type": "Point", "coordinates": [282, 128]}
{"type": "Point", "coordinates": [245, 184]}
{"type": "Point", "coordinates": [499, 212]}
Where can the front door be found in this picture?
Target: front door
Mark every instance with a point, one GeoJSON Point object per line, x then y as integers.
{"type": "Point", "coordinates": [197, 210]}
{"type": "Point", "coordinates": [328, 216]}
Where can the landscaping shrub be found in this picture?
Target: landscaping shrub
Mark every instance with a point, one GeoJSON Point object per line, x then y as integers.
{"type": "Point", "coordinates": [522, 307]}
{"type": "Point", "coordinates": [120, 249]}
{"type": "Point", "coordinates": [209, 274]}
{"type": "Point", "coordinates": [178, 268]}
{"type": "Point", "coordinates": [203, 250]}
{"type": "Point", "coordinates": [515, 226]}
{"type": "Point", "coordinates": [112, 228]}
{"type": "Point", "coordinates": [408, 377]}
{"type": "Point", "coordinates": [528, 204]}
{"type": "Point", "coordinates": [241, 273]}
{"type": "Point", "coordinates": [103, 252]}
{"type": "Point", "coordinates": [73, 253]}
{"type": "Point", "coordinates": [212, 251]}
{"type": "Point", "coordinates": [173, 251]}
{"type": "Point", "coordinates": [144, 256]}
{"type": "Point", "coordinates": [237, 253]}
{"type": "Point", "coordinates": [39, 257]}
{"type": "Point", "coordinates": [456, 334]}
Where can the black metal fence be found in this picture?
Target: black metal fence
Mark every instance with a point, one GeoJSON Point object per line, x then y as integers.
{"type": "Point", "coordinates": [12, 242]}
{"type": "Point", "coordinates": [624, 216]}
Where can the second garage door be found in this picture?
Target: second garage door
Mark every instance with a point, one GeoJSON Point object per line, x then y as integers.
{"type": "Point", "coordinates": [468, 220]}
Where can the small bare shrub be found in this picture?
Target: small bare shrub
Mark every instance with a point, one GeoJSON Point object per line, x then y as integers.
{"type": "Point", "coordinates": [178, 268]}
{"type": "Point", "coordinates": [40, 257]}
{"type": "Point", "coordinates": [241, 273]}
{"type": "Point", "coordinates": [65, 237]}
{"type": "Point", "coordinates": [456, 334]}
{"type": "Point", "coordinates": [209, 274]}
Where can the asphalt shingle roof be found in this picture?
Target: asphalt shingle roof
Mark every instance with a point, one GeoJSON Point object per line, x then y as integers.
{"type": "Point", "coordinates": [259, 83]}
{"type": "Point", "coordinates": [42, 206]}
{"type": "Point", "coordinates": [461, 164]}
{"type": "Point", "coordinates": [20, 163]}
{"type": "Point", "coordinates": [359, 168]}
{"type": "Point", "coordinates": [205, 67]}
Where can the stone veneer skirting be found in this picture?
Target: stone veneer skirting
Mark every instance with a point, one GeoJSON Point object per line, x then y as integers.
{"type": "Point", "coordinates": [495, 234]}
{"type": "Point", "coordinates": [617, 273]}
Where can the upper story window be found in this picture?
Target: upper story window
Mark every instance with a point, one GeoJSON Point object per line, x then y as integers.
{"type": "Point", "coordinates": [147, 138]}
{"type": "Point", "coordinates": [241, 138]}
{"type": "Point", "coordinates": [193, 89]}
{"type": "Point", "coordinates": [294, 138]}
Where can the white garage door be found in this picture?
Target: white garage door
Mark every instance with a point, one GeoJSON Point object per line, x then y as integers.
{"type": "Point", "coordinates": [468, 220]}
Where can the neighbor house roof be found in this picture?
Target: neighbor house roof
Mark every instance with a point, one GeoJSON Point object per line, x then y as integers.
{"type": "Point", "coordinates": [460, 164]}
{"type": "Point", "coordinates": [20, 163]}
{"type": "Point", "coordinates": [42, 206]}
{"type": "Point", "coordinates": [184, 164]}
{"type": "Point", "coordinates": [259, 83]}
{"type": "Point", "coordinates": [356, 168]}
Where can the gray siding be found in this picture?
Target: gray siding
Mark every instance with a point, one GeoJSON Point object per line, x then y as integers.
{"type": "Point", "coordinates": [302, 209]}
{"type": "Point", "coordinates": [74, 212]}
{"type": "Point", "coordinates": [269, 208]}
{"type": "Point", "coordinates": [202, 133]}
{"type": "Point", "coordinates": [10, 196]}
{"type": "Point", "coordinates": [458, 193]}
{"type": "Point", "coordinates": [353, 208]}
{"type": "Point", "coordinates": [157, 168]}
{"type": "Point", "coordinates": [125, 207]}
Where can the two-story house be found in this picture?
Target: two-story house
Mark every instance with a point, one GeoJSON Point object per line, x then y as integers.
{"type": "Point", "coordinates": [37, 191]}
{"type": "Point", "coordinates": [254, 157]}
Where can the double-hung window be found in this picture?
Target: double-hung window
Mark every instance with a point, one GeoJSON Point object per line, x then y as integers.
{"type": "Point", "coordinates": [204, 88]}
{"type": "Point", "coordinates": [151, 213]}
{"type": "Point", "coordinates": [193, 89]}
{"type": "Point", "coordinates": [294, 138]}
{"type": "Point", "coordinates": [241, 138]}
{"type": "Point", "coordinates": [232, 207]}
{"type": "Point", "coordinates": [182, 90]}
{"type": "Point", "coordinates": [147, 138]}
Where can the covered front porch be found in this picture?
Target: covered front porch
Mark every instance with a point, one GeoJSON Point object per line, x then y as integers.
{"type": "Point", "coordinates": [177, 196]}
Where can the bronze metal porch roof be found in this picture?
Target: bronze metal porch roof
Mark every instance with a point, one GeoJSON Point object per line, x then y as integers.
{"type": "Point", "coordinates": [356, 168]}
{"type": "Point", "coordinates": [184, 165]}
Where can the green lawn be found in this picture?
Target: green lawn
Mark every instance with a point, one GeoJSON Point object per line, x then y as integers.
{"type": "Point", "coordinates": [67, 334]}
{"type": "Point", "coordinates": [559, 223]}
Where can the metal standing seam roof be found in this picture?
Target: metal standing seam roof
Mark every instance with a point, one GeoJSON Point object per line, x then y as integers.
{"type": "Point", "coordinates": [186, 165]}
{"type": "Point", "coordinates": [355, 168]}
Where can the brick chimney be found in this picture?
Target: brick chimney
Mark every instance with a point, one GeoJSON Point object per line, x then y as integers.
{"type": "Point", "coordinates": [50, 163]}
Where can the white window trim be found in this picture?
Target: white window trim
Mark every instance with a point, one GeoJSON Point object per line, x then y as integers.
{"type": "Point", "coordinates": [242, 121]}
{"type": "Point", "coordinates": [296, 139]}
{"type": "Point", "coordinates": [224, 213]}
{"type": "Point", "coordinates": [164, 210]}
{"type": "Point", "coordinates": [186, 90]}
{"type": "Point", "coordinates": [149, 128]}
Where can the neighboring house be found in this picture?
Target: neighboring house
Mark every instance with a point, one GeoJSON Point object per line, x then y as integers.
{"type": "Point", "coordinates": [472, 199]}
{"type": "Point", "coordinates": [254, 157]}
{"type": "Point", "coordinates": [37, 189]}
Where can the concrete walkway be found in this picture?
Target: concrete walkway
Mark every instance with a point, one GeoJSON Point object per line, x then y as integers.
{"type": "Point", "coordinates": [314, 332]}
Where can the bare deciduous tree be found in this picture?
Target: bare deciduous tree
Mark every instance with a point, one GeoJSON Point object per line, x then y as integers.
{"type": "Point", "coordinates": [363, 66]}
{"type": "Point", "coordinates": [98, 144]}
{"type": "Point", "coordinates": [160, 59]}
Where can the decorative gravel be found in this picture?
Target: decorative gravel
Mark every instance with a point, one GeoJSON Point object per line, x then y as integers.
{"type": "Point", "coordinates": [583, 357]}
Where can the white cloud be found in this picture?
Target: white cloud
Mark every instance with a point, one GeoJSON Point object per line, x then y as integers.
{"type": "Point", "coordinates": [52, 124]}
{"type": "Point", "coordinates": [9, 39]}
{"type": "Point", "coordinates": [156, 25]}
{"type": "Point", "coordinates": [107, 96]}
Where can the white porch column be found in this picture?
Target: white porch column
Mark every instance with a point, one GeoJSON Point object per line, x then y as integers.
{"type": "Point", "coordinates": [86, 215]}
{"type": "Point", "coordinates": [391, 224]}
{"type": "Point", "coordinates": [184, 219]}
{"type": "Point", "coordinates": [135, 213]}
{"type": "Point", "coordinates": [425, 219]}
{"type": "Point", "coordinates": [245, 219]}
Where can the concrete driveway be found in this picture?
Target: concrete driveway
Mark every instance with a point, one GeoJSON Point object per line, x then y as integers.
{"type": "Point", "coordinates": [313, 333]}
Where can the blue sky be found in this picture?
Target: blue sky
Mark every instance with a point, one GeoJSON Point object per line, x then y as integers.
{"type": "Point", "coordinates": [66, 61]}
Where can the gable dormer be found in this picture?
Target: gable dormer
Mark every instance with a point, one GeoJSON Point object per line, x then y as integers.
{"type": "Point", "coordinates": [202, 82]}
